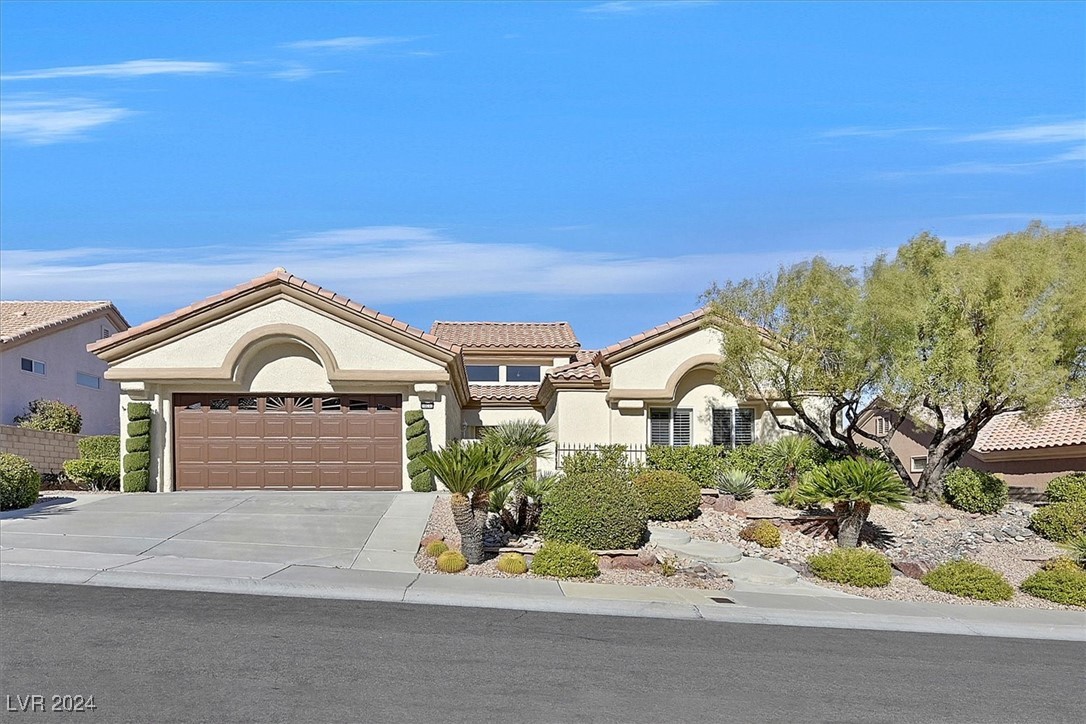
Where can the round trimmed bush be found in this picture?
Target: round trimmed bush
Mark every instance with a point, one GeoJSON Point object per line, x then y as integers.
{"type": "Point", "coordinates": [512, 563]}
{"type": "Point", "coordinates": [565, 560]}
{"type": "Point", "coordinates": [423, 482]}
{"type": "Point", "coordinates": [853, 566]}
{"type": "Point", "coordinates": [1067, 489]}
{"type": "Point", "coordinates": [597, 511]}
{"type": "Point", "coordinates": [137, 461]}
{"type": "Point", "coordinates": [763, 533]}
{"type": "Point", "coordinates": [136, 481]}
{"type": "Point", "coordinates": [139, 411]}
{"type": "Point", "coordinates": [1064, 584]}
{"type": "Point", "coordinates": [451, 562]}
{"type": "Point", "coordinates": [94, 474]}
{"type": "Point", "coordinates": [139, 427]}
{"type": "Point", "coordinates": [969, 580]}
{"type": "Point", "coordinates": [19, 482]}
{"type": "Point", "coordinates": [1060, 522]}
{"type": "Point", "coordinates": [436, 548]}
{"type": "Point", "coordinates": [975, 491]}
{"type": "Point", "coordinates": [666, 495]}
{"type": "Point", "coordinates": [141, 443]}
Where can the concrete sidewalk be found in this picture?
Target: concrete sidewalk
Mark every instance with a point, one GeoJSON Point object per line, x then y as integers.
{"type": "Point", "coordinates": [379, 566]}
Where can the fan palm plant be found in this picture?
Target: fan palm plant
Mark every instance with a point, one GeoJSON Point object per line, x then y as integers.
{"type": "Point", "coordinates": [530, 440]}
{"type": "Point", "coordinates": [790, 453]}
{"type": "Point", "coordinates": [471, 471]}
{"type": "Point", "coordinates": [852, 487]}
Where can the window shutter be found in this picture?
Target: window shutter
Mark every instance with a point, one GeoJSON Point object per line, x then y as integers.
{"type": "Point", "coordinates": [680, 431]}
{"type": "Point", "coordinates": [722, 427]}
{"type": "Point", "coordinates": [659, 426]}
{"type": "Point", "coordinates": [744, 426]}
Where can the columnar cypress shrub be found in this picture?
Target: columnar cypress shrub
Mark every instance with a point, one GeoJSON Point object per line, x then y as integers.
{"type": "Point", "coordinates": [137, 459]}
{"type": "Point", "coordinates": [418, 444]}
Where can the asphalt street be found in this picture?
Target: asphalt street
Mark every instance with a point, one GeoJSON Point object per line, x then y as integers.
{"type": "Point", "coordinates": [162, 656]}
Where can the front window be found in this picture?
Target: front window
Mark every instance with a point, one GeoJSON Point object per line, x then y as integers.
{"type": "Point", "coordinates": [483, 373]}
{"type": "Point", "coordinates": [668, 426]}
{"type": "Point", "coordinates": [733, 426]}
{"type": "Point", "coordinates": [33, 365]}
{"type": "Point", "coordinates": [522, 373]}
{"type": "Point", "coordinates": [918, 463]}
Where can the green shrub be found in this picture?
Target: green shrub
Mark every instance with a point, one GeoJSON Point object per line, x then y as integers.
{"type": "Point", "coordinates": [136, 481]}
{"type": "Point", "coordinates": [791, 498]}
{"type": "Point", "coordinates": [1060, 522]}
{"type": "Point", "coordinates": [853, 566]}
{"type": "Point", "coordinates": [436, 548]}
{"type": "Point", "coordinates": [137, 444]}
{"type": "Point", "coordinates": [763, 533]}
{"type": "Point", "coordinates": [139, 411]}
{"type": "Point", "coordinates": [512, 563]}
{"type": "Point", "coordinates": [1062, 585]}
{"type": "Point", "coordinates": [565, 560]}
{"type": "Point", "coordinates": [594, 510]}
{"type": "Point", "coordinates": [412, 416]}
{"type": "Point", "coordinates": [137, 461]}
{"type": "Point", "coordinates": [1067, 489]}
{"type": "Point", "coordinates": [94, 473]}
{"type": "Point", "coordinates": [736, 483]}
{"type": "Point", "coordinates": [974, 491]}
{"type": "Point", "coordinates": [666, 495]}
{"type": "Point", "coordinates": [416, 466]}
{"type": "Point", "coordinates": [19, 482]}
{"type": "Point", "coordinates": [423, 482]}
{"type": "Point", "coordinates": [969, 580]}
{"type": "Point", "coordinates": [756, 461]}
{"type": "Point", "coordinates": [1061, 563]}
{"type": "Point", "coordinates": [51, 415]}
{"type": "Point", "coordinates": [417, 429]}
{"type": "Point", "coordinates": [139, 427]}
{"type": "Point", "coordinates": [610, 460]}
{"type": "Point", "coordinates": [1077, 548]}
{"type": "Point", "coordinates": [700, 463]}
{"type": "Point", "coordinates": [100, 446]}
{"type": "Point", "coordinates": [451, 562]}
{"type": "Point", "coordinates": [417, 446]}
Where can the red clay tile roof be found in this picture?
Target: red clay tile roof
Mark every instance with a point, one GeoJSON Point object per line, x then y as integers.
{"type": "Point", "coordinates": [503, 393]}
{"type": "Point", "coordinates": [656, 331]}
{"type": "Point", "coordinates": [1062, 426]}
{"type": "Point", "coordinates": [23, 319]}
{"type": "Point", "coordinates": [507, 335]}
{"type": "Point", "coordinates": [583, 368]}
{"type": "Point", "coordinates": [277, 276]}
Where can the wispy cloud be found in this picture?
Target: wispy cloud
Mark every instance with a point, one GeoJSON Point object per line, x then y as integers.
{"type": "Point", "coordinates": [379, 265]}
{"type": "Point", "coordinates": [1064, 132]}
{"type": "Point", "coordinates": [631, 7]}
{"type": "Point", "coordinates": [868, 132]}
{"type": "Point", "coordinates": [127, 69]}
{"type": "Point", "coordinates": [346, 43]}
{"type": "Point", "coordinates": [40, 121]}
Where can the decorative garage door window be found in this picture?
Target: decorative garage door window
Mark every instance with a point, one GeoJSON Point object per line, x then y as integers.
{"type": "Point", "coordinates": [288, 441]}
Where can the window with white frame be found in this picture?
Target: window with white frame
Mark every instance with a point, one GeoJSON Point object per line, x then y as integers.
{"type": "Point", "coordinates": [733, 426]}
{"type": "Point", "coordinates": [34, 366]}
{"type": "Point", "coordinates": [917, 463]}
{"type": "Point", "coordinates": [84, 380]}
{"type": "Point", "coordinates": [882, 426]}
{"type": "Point", "coordinates": [669, 426]}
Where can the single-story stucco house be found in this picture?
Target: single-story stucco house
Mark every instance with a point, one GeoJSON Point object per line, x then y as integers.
{"type": "Point", "coordinates": [1025, 454]}
{"type": "Point", "coordinates": [279, 383]}
{"type": "Point", "coordinates": [43, 355]}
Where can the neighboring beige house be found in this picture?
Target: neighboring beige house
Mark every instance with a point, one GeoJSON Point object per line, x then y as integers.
{"type": "Point", "coordinates": [1023, 455]}
{"type": "Point", "coordinates": [279, 383]}
{"type": "Point", "coordinates": [43, 355]}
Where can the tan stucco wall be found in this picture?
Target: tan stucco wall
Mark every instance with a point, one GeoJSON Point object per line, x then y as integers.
{"type": "Point", "coordinates": [653, 368]}
{"type": "Point", "coordinates": [354, 349]}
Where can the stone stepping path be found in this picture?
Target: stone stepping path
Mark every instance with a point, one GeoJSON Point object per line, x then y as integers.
{"type": "Point", "coordinates": [723, 557]}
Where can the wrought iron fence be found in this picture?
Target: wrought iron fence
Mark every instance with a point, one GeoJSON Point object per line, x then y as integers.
{"type": "Point", "coordinates": [633, 453]}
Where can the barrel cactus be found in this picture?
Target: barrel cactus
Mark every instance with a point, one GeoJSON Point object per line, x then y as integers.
{"type": "Point", "coordinates": [436, 548]}
{"type": "Point", "coordinates": [512, 563]}
{"type": "Point", "coordinates": [451, 562]}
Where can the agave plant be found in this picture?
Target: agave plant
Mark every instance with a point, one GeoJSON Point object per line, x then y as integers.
{"type": "Point", "coordinates": [529, 440]}
{"type": "Point", "coordinates": [736, 483]}
{"type": "Point", "coordinates": [471, 472]}
{"type": "Point", "coordinates": [1077, 548]}
{"type": "Point", "coordinates": [852, 487]}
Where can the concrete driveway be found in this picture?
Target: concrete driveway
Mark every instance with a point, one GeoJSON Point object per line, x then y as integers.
{"type": "Point", "coordinates": [251, 534]}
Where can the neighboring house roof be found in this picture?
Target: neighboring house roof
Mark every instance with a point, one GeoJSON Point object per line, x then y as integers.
{"type": "Point", "coordinates": [659, 333]}
{"type": "Point", "coordinates": [495, 336]}
{"type": "Point", "coordinates": [583, 368]}
{"type": "Point", "coordinates": [1009, 431]}
{"type": "Point", "coordinates": [277, 276]}
{"type": "Point", "coordinates": [503, 393]}
{"type": "Point", "coordinates": [20, 320]}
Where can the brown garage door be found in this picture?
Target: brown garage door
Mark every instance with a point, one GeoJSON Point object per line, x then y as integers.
{"type": "Point", "coordinates": [287, 441]}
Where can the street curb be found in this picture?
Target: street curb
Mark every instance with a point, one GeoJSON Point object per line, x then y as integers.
{"type": "Point", "coordinates": [1074, 630]}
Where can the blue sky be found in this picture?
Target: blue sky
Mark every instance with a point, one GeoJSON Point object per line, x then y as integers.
{"type": "Point", "coordinates": [601, 163]}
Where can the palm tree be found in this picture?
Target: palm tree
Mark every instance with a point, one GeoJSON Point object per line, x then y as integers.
{"type": "Point", "coordinates": [852, 486]}
{"type": "Point", "coordinates": [471, 471]}
{"type": "Point", "coordinates": [529, 440]}
{"type": "Point", "coordinates": [790, 453]}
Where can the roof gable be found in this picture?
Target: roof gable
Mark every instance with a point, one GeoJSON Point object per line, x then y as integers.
{"type": "Point", "coordinates": [650, 338]}
{"type": "Point", "coordinates": [22, 320]}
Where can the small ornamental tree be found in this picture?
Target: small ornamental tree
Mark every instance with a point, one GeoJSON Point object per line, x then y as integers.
{"type": "Point", "coordinates": [852, 487]}
{"type": "Point", "coordinates": [137, 458]}
{"type": "Point", "coordinates": [418, 444]}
